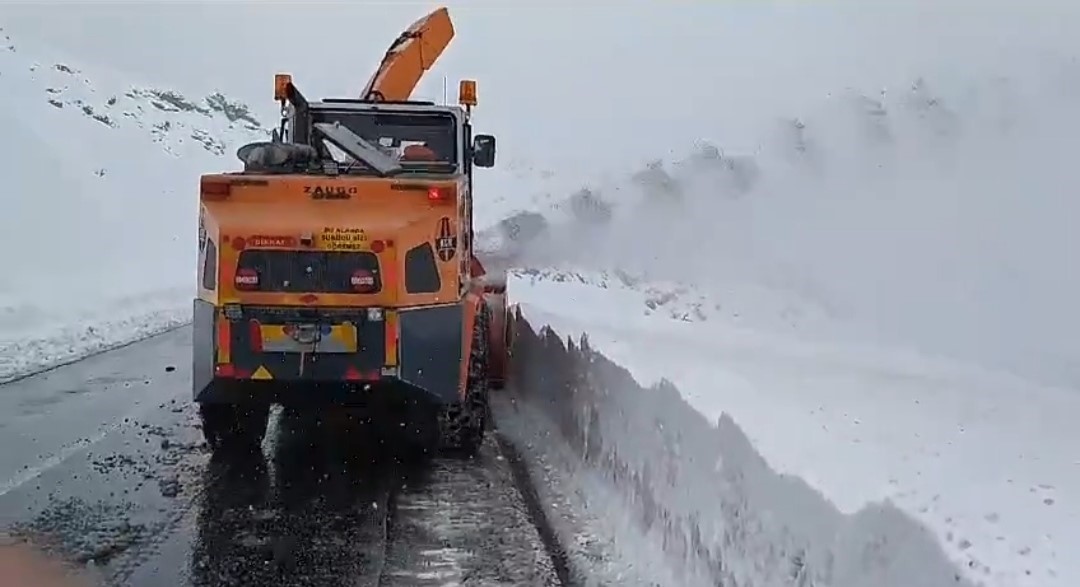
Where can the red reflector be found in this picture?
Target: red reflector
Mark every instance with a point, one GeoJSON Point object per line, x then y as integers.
{"type": "Point", "coordinates": [378, 247]}
{"type": "Point", "coordinates": [225, 370]}
{"type": "Point", "coordinates": [255, 334]}
{"type": "Point", "coordinates": [238, 243]}
{"type": "Point", "coordinates": [354, 374]}
{"type": "Point", "coordinates": [243, 373]}
{"type": "Point", "coordinates": [309, 298]}
{"type": "Point", "coordinates": [246, 279]}
{"type": "Point", "coordinates": [362, 280]}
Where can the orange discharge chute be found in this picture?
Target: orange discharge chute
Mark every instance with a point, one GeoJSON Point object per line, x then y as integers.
{"type": "Point", "coordinates": [414, 52]}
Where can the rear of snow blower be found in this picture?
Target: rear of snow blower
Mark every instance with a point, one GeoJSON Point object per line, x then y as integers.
{"type": "Point", "coordinates": [339, 266]}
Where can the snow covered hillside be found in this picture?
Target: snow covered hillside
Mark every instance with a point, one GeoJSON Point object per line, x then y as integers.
{"type": "Point", "coordinates": [937, 215]}
{"type": "Point", "coordinates": [99, 222]}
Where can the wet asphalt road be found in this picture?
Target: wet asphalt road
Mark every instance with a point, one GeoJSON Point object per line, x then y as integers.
{"type": "Point", "coordinates": [103, 464]}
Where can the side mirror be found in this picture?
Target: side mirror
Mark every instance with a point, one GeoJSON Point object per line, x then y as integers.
{"type": "Point", "coordinates": [484, 151]}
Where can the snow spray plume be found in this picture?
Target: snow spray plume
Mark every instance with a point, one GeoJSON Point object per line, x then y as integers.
{"type": "Point", "coordinates": [937, 215]}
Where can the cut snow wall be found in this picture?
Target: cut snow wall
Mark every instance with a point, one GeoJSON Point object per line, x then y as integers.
{"type": "Point", "coordinates": [699, 491]}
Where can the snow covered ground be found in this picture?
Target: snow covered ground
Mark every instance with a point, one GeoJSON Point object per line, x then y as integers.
{"type": "Point", "coordinates": [993, 476]}
{"type": "Point", "coordinates": [99, 221]}
{"type": "Point", "coordinates": [880, 297]}
{"type": "Point", "coordinates": [645, 490]}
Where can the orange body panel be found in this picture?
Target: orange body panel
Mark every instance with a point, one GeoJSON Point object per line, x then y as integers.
{"type": "Point", "coordinates": [278, 212]}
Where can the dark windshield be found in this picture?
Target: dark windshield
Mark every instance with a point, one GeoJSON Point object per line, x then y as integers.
{"type": "Point", "coordinates": [423, 141]}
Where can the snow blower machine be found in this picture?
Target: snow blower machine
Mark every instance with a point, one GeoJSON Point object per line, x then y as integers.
{"type": "Point", "coordinates": [338, 267]}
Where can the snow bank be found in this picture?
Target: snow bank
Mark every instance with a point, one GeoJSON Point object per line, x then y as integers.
{"type": "Point", "coordinates": [698, 493]}
{"type": "Point", "coordinates": [99, 226]}
{"type": "Point", "coordinates": [984, 460]}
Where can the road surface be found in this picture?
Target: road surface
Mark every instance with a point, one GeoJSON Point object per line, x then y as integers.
{"type": "Point", "coordinates": [103, 465]}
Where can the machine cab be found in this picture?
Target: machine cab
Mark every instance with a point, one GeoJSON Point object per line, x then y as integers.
{"type": "Point", "coordinates": [425, 139]}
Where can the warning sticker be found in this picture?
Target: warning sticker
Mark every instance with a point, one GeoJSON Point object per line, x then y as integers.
{"type": "Point", "coordinates": [344, 239]}
{"type": "Point", "coordinates": [445, 240]}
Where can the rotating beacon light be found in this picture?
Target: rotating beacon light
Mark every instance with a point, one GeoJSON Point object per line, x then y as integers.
{"type": "Point", "coordinates": [467, 94]}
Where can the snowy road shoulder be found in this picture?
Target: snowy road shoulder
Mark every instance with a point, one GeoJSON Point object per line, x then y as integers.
{"type": "Point", "coordinates": [987, 462]}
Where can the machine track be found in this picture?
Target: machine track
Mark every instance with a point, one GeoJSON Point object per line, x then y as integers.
{"type": "Point", "coordinates": [104, 466]}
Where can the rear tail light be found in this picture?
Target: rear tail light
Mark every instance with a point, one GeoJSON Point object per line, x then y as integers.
{"type": "Point", "coordinates": [354, 374]}
{"type": "Point", "coordinates": [437, 194]}
{"type": "Point", "coordinates": [229, 371]}
{"type": "Point", "coordinates": [362, 281]}
{"type": "Point", "coordinates": [246, 279]}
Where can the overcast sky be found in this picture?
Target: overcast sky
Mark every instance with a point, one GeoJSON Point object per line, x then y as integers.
{"type": "Point", "coordinates": [611, 82]}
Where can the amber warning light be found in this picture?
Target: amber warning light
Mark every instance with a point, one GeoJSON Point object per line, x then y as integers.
{"type": "Point", "coordinates": [467, 92]}
{"type": "Point", "coordinates": [281, 86]}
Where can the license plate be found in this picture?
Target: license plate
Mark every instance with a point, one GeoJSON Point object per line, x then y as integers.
{"type": "Point", "coordinates": [309, 338]}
